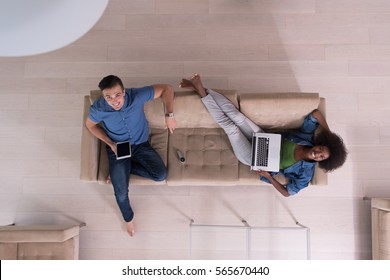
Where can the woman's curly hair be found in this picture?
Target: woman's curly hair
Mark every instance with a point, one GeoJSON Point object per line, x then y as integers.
{"type": "Point", "coordinates": [338, 151]}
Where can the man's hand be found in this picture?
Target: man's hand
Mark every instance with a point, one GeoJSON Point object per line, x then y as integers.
{"type": "Point", "coordinates": [166, 93]}
{"type": "Point", "coordinates": [99, 133]}
{"type": "Point", "coordinates": [171, 123]}
{"type": "Point", "coordinates": [113, 147]}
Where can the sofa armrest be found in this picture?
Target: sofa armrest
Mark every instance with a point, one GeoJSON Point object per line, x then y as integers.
{"type": "Point", "coordinates": [380, 228]}
{"type": "Point", "coordinates": [90, 149]}
{"type": "Point", "coordinates": [381, 203]}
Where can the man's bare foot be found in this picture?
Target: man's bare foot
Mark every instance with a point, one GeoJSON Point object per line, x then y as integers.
{"type": "Point", "coordinates": [130, 228]}
{"type": "Point", "coordinates": [108, 179]}
{"type": "Point", "coordinates": [195, 83]}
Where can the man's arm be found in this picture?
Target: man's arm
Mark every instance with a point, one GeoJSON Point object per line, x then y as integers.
{"type": "Point", "coordinates": [167, 95]}
{"type": "Point", "coordinates": [99, 133]}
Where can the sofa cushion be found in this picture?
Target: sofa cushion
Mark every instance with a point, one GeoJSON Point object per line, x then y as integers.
{"type": "Point", "coordinates": [209, 157]}
{"type": "Point", "coordinates": [190, 111]}
{"type": "Point", "coordinates": [272, 111]}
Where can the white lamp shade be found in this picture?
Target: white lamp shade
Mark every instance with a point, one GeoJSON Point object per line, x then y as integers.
{"type": "Point", "coordinates": [30, 27]}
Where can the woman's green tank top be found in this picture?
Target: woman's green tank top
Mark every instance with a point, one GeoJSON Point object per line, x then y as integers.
{"type": "Point", "coordinates": [287, 154]}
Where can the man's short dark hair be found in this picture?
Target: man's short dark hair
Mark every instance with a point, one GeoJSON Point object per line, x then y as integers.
{"type": "Point", "coordinates": [110, 82]}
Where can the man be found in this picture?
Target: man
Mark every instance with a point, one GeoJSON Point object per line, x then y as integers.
{"type": "Point", "coordinates": [121, 112]}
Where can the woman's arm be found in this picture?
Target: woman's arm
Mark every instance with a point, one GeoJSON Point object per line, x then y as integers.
{"type": "Point", "coordinates": [278, 186]}
{"type": "Point", "coordinates": [321, 119]}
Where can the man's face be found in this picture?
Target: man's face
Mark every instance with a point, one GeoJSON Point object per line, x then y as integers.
{"type": "Point", "coordinates": [115, 97]}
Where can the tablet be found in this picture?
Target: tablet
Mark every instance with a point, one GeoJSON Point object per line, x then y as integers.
{"type": "Point", "coordinates": [123, 150]}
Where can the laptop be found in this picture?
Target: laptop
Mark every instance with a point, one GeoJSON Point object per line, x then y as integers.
{"type": "Point", "coordinates": [266, 151]}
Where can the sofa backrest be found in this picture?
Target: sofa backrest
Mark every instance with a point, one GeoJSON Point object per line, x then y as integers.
{"type": "Point", "coordinates": [269, 110]}
{"type": "Point", "coordinates": [190, 111]}
{"type": "Point", "coordinates": [273, 111]}
{"type": "Point", "coordinates": [95, 95]}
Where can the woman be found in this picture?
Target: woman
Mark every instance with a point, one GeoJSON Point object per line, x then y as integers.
{"type": "Point", "coordinates": [300, 151]}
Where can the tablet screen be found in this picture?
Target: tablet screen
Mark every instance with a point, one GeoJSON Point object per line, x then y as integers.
{"type": "Point", "coordinates": [123, 150]}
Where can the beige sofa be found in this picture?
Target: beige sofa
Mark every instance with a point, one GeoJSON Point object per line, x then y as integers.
{"type": "Point", "coordinates": [380, 228]}
{"type": "Point", "coordinates": [39, 242]}
{"type": "Point", "coordinates": [209, 156]}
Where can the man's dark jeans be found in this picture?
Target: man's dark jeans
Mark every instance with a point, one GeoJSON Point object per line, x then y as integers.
{"type": "Point", "coordinates": [144, 162]}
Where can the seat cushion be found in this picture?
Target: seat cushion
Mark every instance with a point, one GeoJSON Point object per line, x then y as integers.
{"type": "Point", "coordinates": [209, 157]}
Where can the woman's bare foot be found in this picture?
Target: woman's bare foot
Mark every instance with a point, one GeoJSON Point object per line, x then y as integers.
{"type": "Point", "coordinates": [130, 228]}
{"type": "Point", "coordinates": [195, 83]}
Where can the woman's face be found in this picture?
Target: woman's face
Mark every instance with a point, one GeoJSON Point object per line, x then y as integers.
{"type": "Point", "coordinates": [319, 153]}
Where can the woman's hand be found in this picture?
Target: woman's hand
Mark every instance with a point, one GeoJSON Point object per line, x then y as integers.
{"type": "Point", "coordinates": [264, 174]}
{"type": "Point", "coordinates": [278, 186]}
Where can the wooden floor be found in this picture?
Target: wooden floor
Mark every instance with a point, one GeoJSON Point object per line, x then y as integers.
{"type": "Point", "coordinates": [339, 48]}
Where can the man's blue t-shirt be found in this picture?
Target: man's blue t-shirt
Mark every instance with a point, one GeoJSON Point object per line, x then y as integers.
{"type": "Point", "coordinates": [129, 123]}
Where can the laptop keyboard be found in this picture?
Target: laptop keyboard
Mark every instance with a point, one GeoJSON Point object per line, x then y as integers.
{"type": "Point", "coordinates": [262, 151]}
